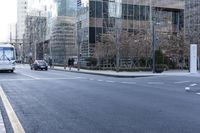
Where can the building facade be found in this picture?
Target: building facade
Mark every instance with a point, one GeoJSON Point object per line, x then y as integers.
{"type": "Point", "coordinates": [35, 30]}
{"type": "Point", "coordinates": [62, 40]}
{"type": "Point", "coordinates": [96, 17]}
{"type": "Point", "coordinates": [66, 8]}
{"type": "Point", "coordinates": [192, 21]}
{"type": "Point", "coordinates": [34, 37]}
{"type": "Point", "coordinates": [63, 32]}
{"type": "Point", "coordinates": [22, 7]}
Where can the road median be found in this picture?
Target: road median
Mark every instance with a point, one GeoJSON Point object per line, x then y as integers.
{"type": "Point", "coordinates": [109, 73]}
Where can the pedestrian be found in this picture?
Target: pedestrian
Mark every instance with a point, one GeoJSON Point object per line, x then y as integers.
{"type": "Point", "coordinates": [69, 64]}
{"type": "Point", "coordinates": [72, 60]}
{"type": "Point", "coordinates": [30, 61]}
{"type": "Point", "coordinates": [50, 62]}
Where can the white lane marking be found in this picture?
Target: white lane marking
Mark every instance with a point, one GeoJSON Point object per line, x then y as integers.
{"type": "Point", "coordinates": [91, 79]}
{"type": "Point", "coordinates": [58, 78]}
{"type": "Point", "coordinates": [100, 80]}
{"type": "Point", "coordinates": [40, 79]}
{"type": "Point", "coordinates": [181, 82]}
{"type": "Point", "coordinates": [15, 123]}
{"type": "Point", "coordinates": [15, 79]}
{"type": "Point", "coordinates": [27, 75]}
{"type": "Point", "coordinates": [128, 83]}
{"type": "Point", "coordinates": [198, 93]}
{"type": "Point", "coordinates": [2, 125]}
{"type": "Point", "coordinates": [192, 85]}
{"type": "Point", "coordinates": [187, 88]}
{"type": "Point", "coordinates": [155, 83]}
{"type": "Point", "coordinates": [108, 81]}
{"type": "Point", "coordinates": [49, 72]}
{"type": "Point", "coordinates": [59, 74]}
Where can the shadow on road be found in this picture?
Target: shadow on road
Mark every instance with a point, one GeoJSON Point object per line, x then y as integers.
{"type": "Point", "coordinates": [7, 72]}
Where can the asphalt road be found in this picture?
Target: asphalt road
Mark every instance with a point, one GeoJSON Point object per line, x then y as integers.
{"type": "Point", "coordinates": [63, 102]}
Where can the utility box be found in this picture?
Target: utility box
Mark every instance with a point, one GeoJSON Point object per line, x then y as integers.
{"type": "Point", "coordinates": [193, 58]}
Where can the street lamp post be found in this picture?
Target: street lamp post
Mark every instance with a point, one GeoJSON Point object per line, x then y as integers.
{"type": "Point", "coordinates": [79, 57]}
{"type": "Point", "coordinates": [80, 40]}
{"type": "Point", "coordinates": [153, 45]}
{"type": "Point", "coordinates": [118, 30]}
{"type": "Point", "coordinates": [152, 24]}
{"type": "Point", "coordinates": [118, 49]}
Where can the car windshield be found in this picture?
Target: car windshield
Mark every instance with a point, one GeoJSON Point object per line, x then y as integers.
{"type": "Point", "coordinates": [41, 62]}
{"type": "Point", "coordinates": [6, 53]}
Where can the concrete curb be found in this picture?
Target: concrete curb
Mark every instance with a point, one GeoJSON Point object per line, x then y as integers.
{"type": "Point", "coordinates": [107, 75]}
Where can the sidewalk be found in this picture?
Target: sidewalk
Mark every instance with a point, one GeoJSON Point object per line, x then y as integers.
{"type": "Point", "coordinates": [120, 74]}
{"type": "Point", "coordinates": [127, 74]}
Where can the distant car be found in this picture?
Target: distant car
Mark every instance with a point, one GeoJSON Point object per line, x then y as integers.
{"type": "Point", "coordinates": [39, 65]}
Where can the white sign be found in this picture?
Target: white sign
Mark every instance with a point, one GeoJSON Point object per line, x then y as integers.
{"type": "Point", "coordinates": [193, 58]}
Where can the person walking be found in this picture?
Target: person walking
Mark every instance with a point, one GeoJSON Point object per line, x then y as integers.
{"type": "Point", "coordinates": [30, 61]}
{"type": "Point", "coordinates": [69, 64]}
{"type": "Point", "coordinates": [72, 61]}
{"type": "Point", "coordinates": [50, 62]}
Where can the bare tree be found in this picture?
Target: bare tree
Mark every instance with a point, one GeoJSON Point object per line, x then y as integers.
{"type": "Point", "coordinates": [105, 50]}
{"type": "Point", "coordinates": [174, 47]}
{"type": "Point", "coordinates": [133, 47]}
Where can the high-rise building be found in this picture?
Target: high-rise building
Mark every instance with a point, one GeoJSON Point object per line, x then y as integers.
{"type": "Point", "coordinates": [34, 37]}
{"type": "Point", "coordinates": [96, 17]}
{"type": "Point", "coordinates": [12, 32]}
{"type": "Point", "coordinates": [35, 30]}
{"type": "Point", "coordinates": [66, 8]}
{"type": "Point", "coordinates": [192, 21]}
{"type": "Point", "coordinates": [63, 39]}
{"type": "Point", "coordinates": [22, 7]}
{"type": "Point", "coordinates": [63, 32]}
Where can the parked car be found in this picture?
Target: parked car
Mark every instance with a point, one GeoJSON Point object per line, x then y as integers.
{"type": "Point", "coordinates": [39, 65]}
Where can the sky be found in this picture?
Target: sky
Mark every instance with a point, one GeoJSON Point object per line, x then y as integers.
{"type": "Point", "coordinates": [8, 15]}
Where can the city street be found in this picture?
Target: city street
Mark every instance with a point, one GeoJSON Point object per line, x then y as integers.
{"type": "Point", "coordinates": [64, 102]}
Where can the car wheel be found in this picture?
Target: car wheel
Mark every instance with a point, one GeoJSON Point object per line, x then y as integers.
{"type": "Point", "coordinates": [11, 71]}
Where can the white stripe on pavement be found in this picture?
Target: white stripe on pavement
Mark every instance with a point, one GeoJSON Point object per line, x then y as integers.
{"type": "Point", "coordinates": [59, 74]}
{"type": "Point", "coordinates": [1, 80]}
{"type": "Point", "coordinates": [187, 88]}
{"type": "Point", "coordinates": [108, 81]}
{"type": "Point", "coordinates": [181, 82]}
{"type": "Point", "coordinates": [192, 85]}
{"type": "Point", "coordinates": [155, 83]}
{"type": "Point", "coordinates": [128, 83]}
{"type": "Point", "coordinates": [15, 79]}
{"type": "Point", "coordinates": [2, 126]}
{"type": "Point", "coordinates": [27, 75]}
{"type": "Point", "coordinates": [15, 123]}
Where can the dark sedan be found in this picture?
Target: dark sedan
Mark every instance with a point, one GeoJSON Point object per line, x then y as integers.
{"type": "Point", "coordinates": [39, 65]}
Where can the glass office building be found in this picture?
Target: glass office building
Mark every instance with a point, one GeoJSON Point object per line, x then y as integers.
{"type": "Point", "coordinates": [95, 17]}
{"type": "Point", "coordinates": [66, 8]}
{"type": "Point", "coordinates": [63, 32]}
